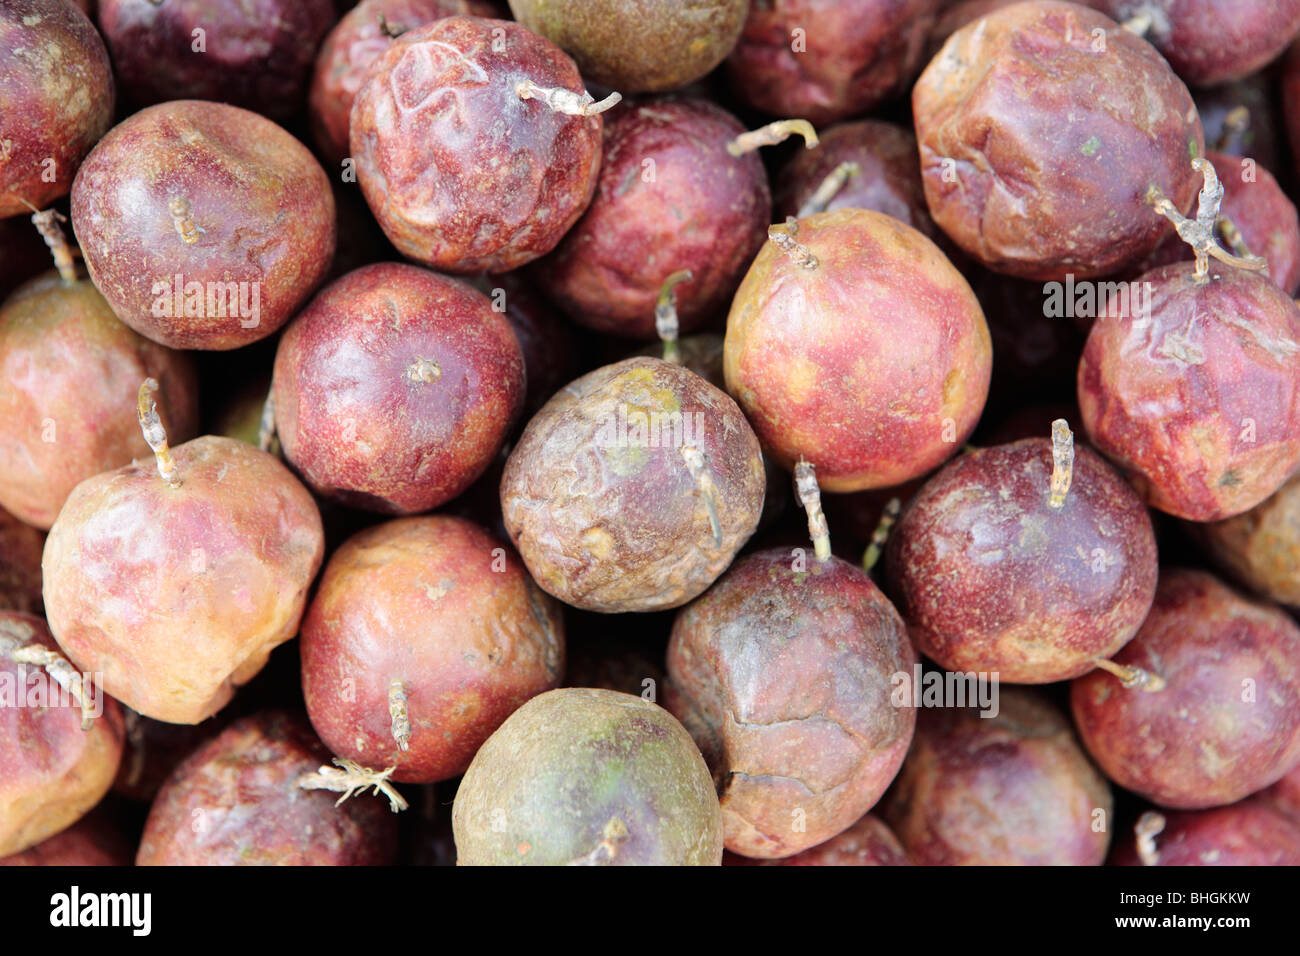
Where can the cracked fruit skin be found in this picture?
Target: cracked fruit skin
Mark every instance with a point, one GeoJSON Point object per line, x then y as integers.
{"type": "Point", "coordinates": [1037, 150]}
{"type": "Point", "coordinates": [462, 174]}
{"type": "Point", "coordinates": [1014, 789]}
{"type": "Point", "coordinates": [702, 209]}
{"type": "Point", "coordinates": [438, 604]}
{"type": "Point", "coordinates": [1197, 399]}
{"type": "Point", "coordinates": [1249, 833]}
{"type": "Point", "coordinates": [782, 674]}
{"type": "Point", "coordinates": [56, 100]}
{"type": "Point", "coordinates": [990, 577]}
{"type": "Point", "coordinates": [51, 771]}
{"type": "Point", "coordinates": [236, 802]}
{"type": "Point", "coordinates": [253, 200]}
{"type": "Point", "coordinates": [257, 54]}
{"type": "Point", "coordinates": [1227, 722]}
{"type": "Point", "coordinates": [66, 359]}
{"type": "Point", "coordinates": [359, 415]}
{"type": "Point", "coordinates": [589, 777]}
{"type": "Point", "coordinates": [874, 365]}
{"type": "Point", "coordinates": [178, 595]}
{"type": "Point", "coordinates": [638, 46]}
{"type": "Point", "coordinates": [1260, 548]}
{"type": "Point", "coordinates": [847, 57]}
{"type": "Point", "coordinates": [599, 498]}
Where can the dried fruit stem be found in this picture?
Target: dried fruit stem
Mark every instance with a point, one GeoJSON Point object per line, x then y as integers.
{"type": "Point", "coordinates": [784, 237]}
{"type": "Point", "coordinates": [566, 101]}
{"type": "Point", "coordinates": [18, 644]}
{"type": "Point", "coordinates": [666, 323]}
{"type": "Point", "coordinates": [390, 29]}
{"type": "Point", "coordinates": [829, 188]}
{"type": "Point", "coordinates": [704, 481]}
{"type": "Point", "coordinates": [881, 535]}
{"type": "Point", "coordinates": [1233, 237]}
{"type": "Point", "coordinates": [424, 370]}
{"type": "Point", "coordinates": [1139, 23]}
{"type": "Point", "coordinates": [810, 499]}
{"type": "Point", "coordinates": [135, 737]}
{"type": "Point", "coordinates": [613, 836]}
{"type": "Point", "coordinates": [1199, 232]}
{"type": "Point", "coordinates": [1131, 677]}
{"type": "Point", "coordinates": [183, 219]}
{"type": "Point", "coordinates": [266, 437]}
{"type": "Point", "coordinates": [154, 433]}
{"type": "Point", "coordinates": [1235, 122]}
{"type": "Point", "coordinates": [401, 726]}
{"type": "Point", "coordinates": [1149, 826]}
{"type": "Point", "coordinates": [349, 778]}
{"type": "Point", "coordinates": [47, 224]}
{"type": "Point", "coordinates": [1062, 463]}
{"type": "Point", "coordinates": [772, 134]}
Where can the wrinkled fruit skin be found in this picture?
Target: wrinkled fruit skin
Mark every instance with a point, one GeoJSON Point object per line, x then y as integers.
{"type": "Point", "coordinates": [600, 500]}
{"type": "Point", "coordinates": [1209, 42]}
{"type": "Point", "coordinates": [991, 578]}
{"type": "Point", "coordinates": [437, 604]}
{"type": "Point", "coordinates": [462, 174]}
{"type": "Point", "coordinates": [51, 771]}
{"type": "Point", "coordinates": [1199, 400]}
{"type": "Point", "coordinates": [867, 843]}
{"type": "Point", "coordinates": [236, 802]}
{"type": "Point", "coordinates": [1014, 789]}
{"type": "Point", "coordinates": [1263, 215]}
{"type": "Point", "coordinates": [852, 55]}
{"type": "Point", "coordinates": [874, 365]}
{"type": "Point", "coordinates": [1250, 833]}
{"type": "Point", "coordinates": [352, 411]}
{"type": "Point", "coordinates": [354, 43]}
{"type": "Point", "coordinates": [20, 565]}
{"type": "Point", "coordinates": [260, 214]}
{"type": "Point", "coordinates": [1028, 192]}
{"type": "Point", "coordinates": [72, 371]}
{"type": "Point", "coordinates": [178, 595]}
{"type": "Point", "coordinates": [1260, 548]}
{"type": "Point", "coordinates": [56, 100]}
{"type": "Point", "coordinates": [889, 180]}
{"type": "Point", "coordinates": [702, 209]}
{"type": "Point", "coordinates": [257, 54]}
{"type": "Point", "coordinates": [91, 841]}
{"type": "Point", "coordinates": [592, 777]}
{"type": "Point", "coordinates": [782, 674]}
{"type": "Point", "coordinates": [1208, 738]}
{"type": "Point", "coordinates": [638, 46]}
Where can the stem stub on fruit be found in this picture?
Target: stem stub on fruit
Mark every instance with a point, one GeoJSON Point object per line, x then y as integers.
{"type": "Point", "coordinates": [810, 499]}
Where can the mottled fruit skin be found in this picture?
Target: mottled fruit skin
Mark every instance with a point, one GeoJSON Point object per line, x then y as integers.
{"type": "Point", "coordinates": [462, 173]}
{"type": "Point", "coordinates": [888, 181]}
{"type": "Point", "coordinates": [1037, 151]}
{"type": "Point", "coordinates": [236, 802]}
{"type": "Point", "coordinates": [1199, 401]}
{"type": "Point", "coordinates": [439, 605]}
{"type": "Point", "coordinates": [1264, 216]}
{"type": "Point", "coordinates": [56, 100]}
{"type": "Point", "coordinates": [91, 841]}
{"type": "Point", "coordinates": [600, 499]}
{"type": "Point", "coordinates": [991, 578]}
{"type": "Point", "coordinates": [1013, 789]}
{"type": "Point", "coordinates": [221, 197]}
{"type": "Point", "coordinates": [1260, 548]}
{"type": "Point", "coordinates": [782, 674]}
{"type": "Point", "coordinates": [1250, 833]}
{"type": "Point", "coordinates": [669, 197]}
{"type": "Point", "coordinates": [20, 565]}
{"type": "Point", "coordinates": [867, 843]}
{"type": "Point", "coordinates": [395, 388]}
{"type": "Point", "coordinates": [72, 371]}
{"type": "Point", "coordinates": [1227, 722]}
{"type": "Point", "coordinates": [638, 46]}
{"type": "Point", "coordinates": [256, 54]}
{"type": "Point", "coordinates": [354, 43]}
{"type": "Point", "coordinates": [178, 595]}
{"type": "Point", "coordinates": [1209, 42]}
{"type": "Point", "coordinates": [874, 365]}
{"type": "Point", "coordinates": [51, 771]}
{"type": "Point", "coordinates": [828, 60]}
{"type": "Point", "coordinates": [588, 777]}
